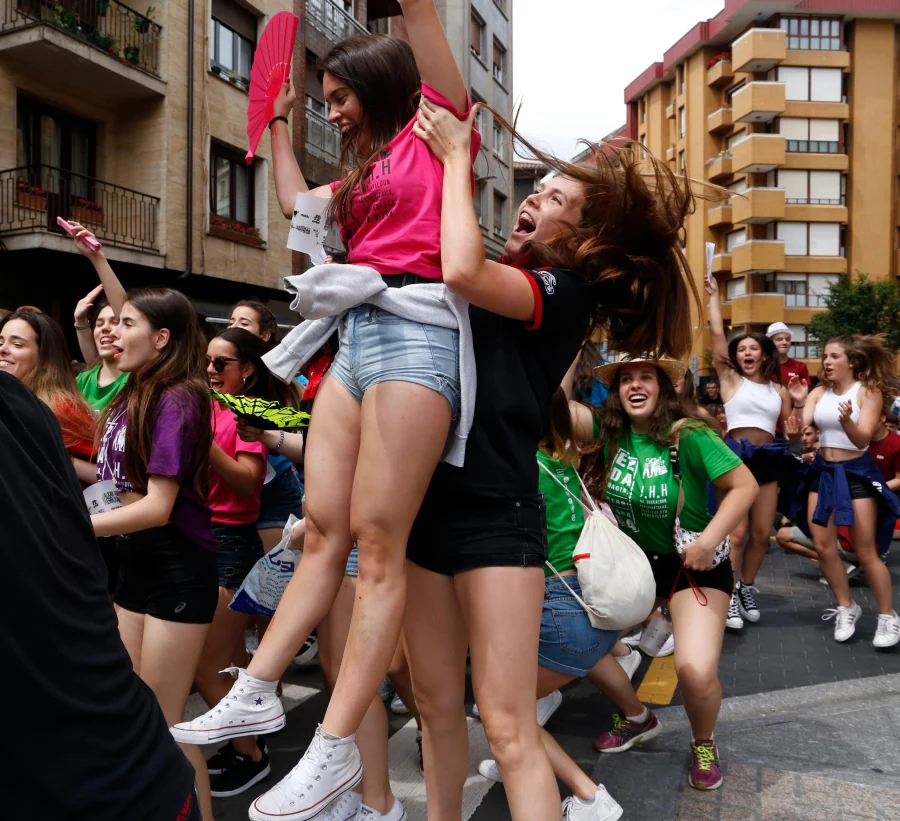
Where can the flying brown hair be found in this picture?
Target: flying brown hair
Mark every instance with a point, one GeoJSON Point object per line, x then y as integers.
{"type": "Point", "coordinates": [870, 361]}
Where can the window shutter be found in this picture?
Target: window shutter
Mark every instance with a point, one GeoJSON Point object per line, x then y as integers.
{"type": "Point", "coordinates": [236, 18]}
{"type": "Point", "coordinates": [824, 239]}
{"type": "Point", "coordinates": [825, 85]}
{"type": "Point", "coordinates": [826, 130]}
{"type": "Point", "coordinates": [795, 128]}
{"type": "Point", "coordinates": [794, 236]}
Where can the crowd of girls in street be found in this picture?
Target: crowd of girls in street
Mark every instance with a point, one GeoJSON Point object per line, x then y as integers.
{"type": "Point", "coordinates": [447, 474]}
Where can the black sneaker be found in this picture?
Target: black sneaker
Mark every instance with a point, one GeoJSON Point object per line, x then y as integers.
{"type": "Point", "coordinates": [223, 758]}
{"type": "Point", "coordinates": [240, 775]}
{"type": "Point", "coordinates": [308, 652]}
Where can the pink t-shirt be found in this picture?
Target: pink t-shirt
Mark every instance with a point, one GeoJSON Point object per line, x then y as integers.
{"type": "Point", "coordinates": [227, 507]}
{"type": "Point", "coordinates": [395, 221]}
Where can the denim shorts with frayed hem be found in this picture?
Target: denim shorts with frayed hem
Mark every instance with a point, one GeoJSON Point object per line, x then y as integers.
{"type": "Point", "coordinates": [378, 346]}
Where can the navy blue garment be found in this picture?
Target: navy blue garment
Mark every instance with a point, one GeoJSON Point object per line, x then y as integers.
{"type": "Point", "coordinates": [834, 495]}
{"type": "Point", "coordinates": [775, 462]}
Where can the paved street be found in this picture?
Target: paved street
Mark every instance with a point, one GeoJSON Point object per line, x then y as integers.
{"type": "Point", "coordinates": [809, 729]}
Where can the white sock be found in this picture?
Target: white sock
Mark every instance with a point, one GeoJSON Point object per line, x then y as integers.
{"type": "Point", "coordinates": [334, 739]}
{"type": "Point", "coordinates": [259, 684]}
{"type": "Point", "coordinates": [640, 719]}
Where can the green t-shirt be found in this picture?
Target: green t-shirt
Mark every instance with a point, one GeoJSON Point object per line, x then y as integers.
{"type": "Point", "coordinates": [644, 495]}
{"type": "Point", "coordinates": [98, 398]}
{"type": "Point", "coordinates": [565, 517]}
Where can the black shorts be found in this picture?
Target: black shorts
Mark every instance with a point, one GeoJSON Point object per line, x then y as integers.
{"type": "Point", "coordinates": [455, 534]}
{"type": "Point", "coordinates": [165, 575]}
{"type": "Point", "coordinates": [239, 549]}
{"type": "Point", "coordinates": [766, 468]}
{"type": "Point", "coordinates": [858, 488]}
{"type": "Point", "coordinates": [665, 569]}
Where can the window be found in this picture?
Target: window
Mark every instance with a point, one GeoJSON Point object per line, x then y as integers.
{"type": "Point", "coordinates": [643, 109]}
{"type": "Point", "coordinates": [317, 107]}
{"type": "Point", "coordinates": [232, 41]}
{"type": "Point", "coordinates": [682, 122]}
{"type": "Point", "coordinates": [499, 143]}
{"type": "Point", "coordinates": [817, 239]}
{"type": "Point", "coordinates": [230, 185]}
{"type": "Point", "coordinates": [801, 346]}
{"type": "Point", "coordinates": [800, 290]}
{"type": "Point", "coordinates": [499, 214]}
{"type": "Point", "coordinates": [681, 79]}
{"type": "Point", "coordinates": [735, 238]}
{"type": "Point", "coordinates": [821, 85]}
{"type": "Point", "coordinates": [479, 202]}
{"type": "Point", "coordinates": [681, 162]}
{"type": "Point", "coordinates": [812, 136]}
{"type": "Point", "coordinates": [812, 33]}
{"type": "Point", "coordinates": [734, 139]}
{"type": "Point", "coordinates": [480, 117]}
{"type": "Point", "coordinates": [499, 62]}
{"type": "Point", "coordinates": [810, 187]}
{"type": "Point", "coordinates": [478, 37]}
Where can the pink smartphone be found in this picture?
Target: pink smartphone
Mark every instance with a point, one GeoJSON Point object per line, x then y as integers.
{"type": "Point", "coordinates": [91, 242]}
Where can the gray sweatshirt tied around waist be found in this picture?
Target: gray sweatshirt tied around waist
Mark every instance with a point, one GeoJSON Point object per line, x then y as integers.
{"type": "Point", "coordinates": [323, 296]}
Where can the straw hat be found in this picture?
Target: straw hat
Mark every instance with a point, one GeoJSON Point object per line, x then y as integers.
{"type": "Point", "coordinates": [670, 367]}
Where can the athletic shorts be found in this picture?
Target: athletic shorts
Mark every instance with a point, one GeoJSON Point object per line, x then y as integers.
{"type": "Point", "coordinates": [665, 570]}
{"type": "Point", "coordinates": [766, 468]}
{"type": "Point", "coordinates": [455, 534]}
{"type": "Point", "coordinates": [858, 488]}
{"type": "Point", "coordinates": [570, 644]}
{"type": "Point", "coordinates": [165, 575]}
{"type": "Point", "coordinates": [378, 346]}
{"type": "Point", "coordinates": [239, 549]}
{"type": "Point", "coordinates": [279, 499]}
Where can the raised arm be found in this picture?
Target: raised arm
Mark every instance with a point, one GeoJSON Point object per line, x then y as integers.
{"type": "Point", "coordinates": [83, 329]}
{"type": "Point", "coordinates": [717, 329]}
{"type": "Point", "coordinates": [114, 290]}
{"type": "Point", "coordinates": [498, 288]}
{"type": "Point", "coordinates": [289, 180]}
{"type": "Point", "coordinates": [432, 51]}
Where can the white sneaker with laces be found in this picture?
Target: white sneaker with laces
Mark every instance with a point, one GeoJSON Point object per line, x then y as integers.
{"type": "Point", "coordinates": [488, 768]}
{"type": "Point", "coordinates": [398, 708]}
{"type": "Point", "coordinates": [547, 706]}
{"type": "Point", "coordinates": [248, 709]}
{"type": "Point", "coordinates": [844, 620]}
{"type": "Point", "coordinates": [668, 648]}
{"type": "Point", "coordinates": [634, 639]}
{"type": "Point", "coordinates": [345, 808]}
{"type": "Point", "coordinates": [603, 808]}
{"type": "Point", "coordinates": [397, 813]}
{"type": "Point", "coordinates": [887, 634]}
{"type": "Point", "coordinates": [735, 621]}
{"type": "Point", "coordinates": [329, 768]}
{"type": "Point", "coordinates": [631, 662]}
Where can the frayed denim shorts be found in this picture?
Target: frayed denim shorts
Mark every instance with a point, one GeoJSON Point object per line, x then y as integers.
{"type": "Point", "coordinates": [378, 346]}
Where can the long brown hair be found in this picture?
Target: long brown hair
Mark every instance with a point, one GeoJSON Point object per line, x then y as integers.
{"type": "Point", "coordinates": [628, 246]}
{"type": "Point", "coordinates": [558, 441]}
{"type": "Point", "coordinates": [670, 419]}
{"type": "Point", "coordinates": [52, 378]}
{"type": "Point", "coordinates": [870, 362]}
{"type": "Point", "coordinates": [382, 72]}
{"type": "Point", "coordinates": [179, 370]}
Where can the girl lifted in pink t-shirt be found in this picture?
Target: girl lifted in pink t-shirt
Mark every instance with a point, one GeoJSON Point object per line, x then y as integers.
{"type": "Point", "coordinates": [384, 411]}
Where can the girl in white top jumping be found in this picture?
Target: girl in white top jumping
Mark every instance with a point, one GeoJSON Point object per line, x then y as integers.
{"type": "Point", "coordinates": [846, 485]}
{"type": "Point", "coordinates": [755, 400]}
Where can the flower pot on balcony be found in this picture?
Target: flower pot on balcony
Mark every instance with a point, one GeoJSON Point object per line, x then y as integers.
{"type": "Point", "coordinates": [141, 25]}
{"type": "Point", "coordinates": [36, 202]}
{"type": "Point", "coordinates": [132, 54]}
{"type": "Point", "coordinates": [87, 216]}
{"type": "Point", "coordinates": [25, 8]}
{"type": "Point", "coordinates": [225, 231]}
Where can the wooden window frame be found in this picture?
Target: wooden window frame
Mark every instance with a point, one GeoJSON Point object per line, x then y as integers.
{"type": "Point", "coordinates": [236, 158]}
{"type": "Point", "coordinates": [504, 60]}
{"type": "Point", "coordinates": [479, 53]}
{"type": "Point", "coordinates": [215, 66]}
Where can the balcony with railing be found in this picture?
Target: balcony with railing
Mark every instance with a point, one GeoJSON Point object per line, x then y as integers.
{"type": "Point", "coordinates": [32, 197]}
{"type": "Point", "coordinates": [332, 21]}
{"type": "Point", "coordinates": [323, 140]}
{"type": "Point", "coordinates": [103, 44]}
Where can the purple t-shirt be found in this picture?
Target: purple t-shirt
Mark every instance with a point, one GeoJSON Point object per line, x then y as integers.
{"type": "Point", "coordinates": [177, 427]}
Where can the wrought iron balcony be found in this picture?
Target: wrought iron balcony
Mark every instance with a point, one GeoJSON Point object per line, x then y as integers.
{"type": "Point", "coordinates": [125, 34]}
{"type": "Point", "coordinates": [323, 140]}
{"type": "Point", "coordinates": [332, 20]}
{"type": "Point", "coordinates": [32, 197]}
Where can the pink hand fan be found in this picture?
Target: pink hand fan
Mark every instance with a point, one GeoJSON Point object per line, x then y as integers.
{"type": "Point", "coordinates": [271, 68]}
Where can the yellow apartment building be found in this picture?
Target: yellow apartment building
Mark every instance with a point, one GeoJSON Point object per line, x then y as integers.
{"type": "Point", "coordinates": [792, 105]}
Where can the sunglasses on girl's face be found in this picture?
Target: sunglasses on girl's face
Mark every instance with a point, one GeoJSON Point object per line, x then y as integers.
{"type": "Point", "coordinates": [219, 363]}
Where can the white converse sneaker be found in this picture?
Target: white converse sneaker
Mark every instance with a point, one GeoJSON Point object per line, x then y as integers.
{"type": "Point", "coordinates": [668, 648]}
{"type": "Point", "coordinates": [345, 808]}
{"type": "Point", "coordinates": [250, 708]}
{"type": "Point", "coordinates": [547, 706]}
{"type": "Point", "coordinates": [887, 634]}
{"type": "Point", "coordinates": [603, 808]}
{"type": "Point", "coordinates": [329, 768]}
{"type": "Point", "coordinates": [844, 620]}
{"type": "Point", "coordinates": [735, 621]}
{"type": "Point", "coordinates": [397, 813]}
{"type": "Point", "coordinates": [631, 662]}
{"type": "Point", "coordinates": [488, 768]}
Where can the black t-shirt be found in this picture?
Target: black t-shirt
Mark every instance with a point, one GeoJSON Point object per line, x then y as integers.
{"type": "Point", "coordinates": [89, 741]}
{"type": "Point", "coordinates": [519, 368]}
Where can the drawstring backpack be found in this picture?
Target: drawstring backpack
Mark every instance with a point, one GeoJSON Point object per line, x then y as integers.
{"type": "Point", "coordinates": [614, 574]}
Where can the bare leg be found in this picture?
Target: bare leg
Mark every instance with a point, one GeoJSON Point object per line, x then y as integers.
{"type": "Point", "coordinates": [608, 675]}
{"type": "Point", "coordinates": [698, 644]}
{"type": "Point", "coordinates": [762, 514]}
{"type": "Point", "coordinates": [131, 631]}
{"type": "Point", "coordinates": [404, 429]}
{"type": "Point", "coordinates": [435, 636]}
{"type": "Point", "coordinates": [865, 523]}
{"type": "Point", "coordinates": [783, 537]}
{"type": "Point", "coordinates": [825, 540]}
{"type": "Point", "coordinates": [738, 537]}
{"type": "Point", "coordinates": [401, 678]}
{"type": "Point", "coordinates": [502, 606]}
{"type": "Point", "coordinates": [330, 462]}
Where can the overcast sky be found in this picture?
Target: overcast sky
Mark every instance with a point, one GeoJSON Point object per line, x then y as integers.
{"type": "Point", "coordinates": [573, 58]}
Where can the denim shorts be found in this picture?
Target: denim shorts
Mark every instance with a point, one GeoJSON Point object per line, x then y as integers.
{"type": "Point", "coordinates": [378, 346]}
{"type": "Point", "coordinates": [239, 549]}
{"type": "Point", "coordinates": [279, 499]}
{"type": "Point", "coordinates": [352, 563]}
{"type": "Point", "coordinates": [570, 644]}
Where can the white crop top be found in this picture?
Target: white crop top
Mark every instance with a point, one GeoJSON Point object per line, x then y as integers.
{"type": "Point", "coordinates": [755, 405]}
{"type": "Point", "coordinates": [831, 431]}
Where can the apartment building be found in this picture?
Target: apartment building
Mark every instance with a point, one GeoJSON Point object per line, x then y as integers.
{"type": "Point", "coordinates": [792, 106]}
